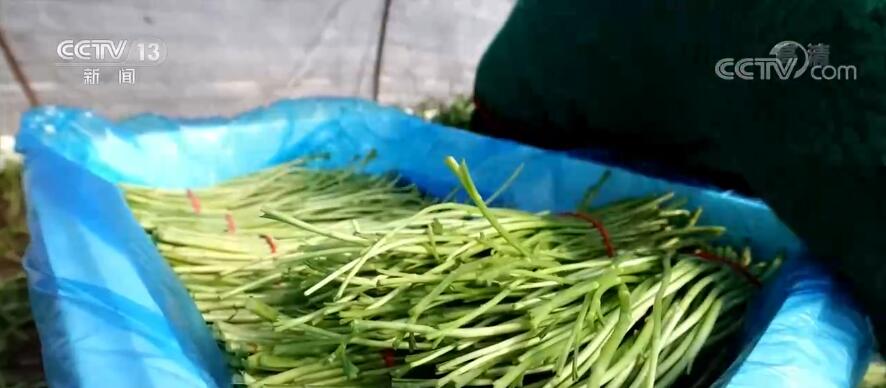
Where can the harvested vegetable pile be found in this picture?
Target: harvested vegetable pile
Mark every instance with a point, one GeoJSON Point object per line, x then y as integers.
{"type": "Point", "coordinates": [19, 345]}
{"type": "Point", "coordinates": [456, 113]}
{"type": "Point", "coordinates": [876, 374]}
{"type": "Point", "coordinates": [334, 278]}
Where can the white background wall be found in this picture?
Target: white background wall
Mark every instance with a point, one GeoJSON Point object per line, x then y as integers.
{"type": "Point", "coordinates": [226, 56]}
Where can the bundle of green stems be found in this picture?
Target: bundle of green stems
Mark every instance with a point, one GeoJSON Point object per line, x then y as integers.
{"type": "Point", "coordinates": [315, 278]}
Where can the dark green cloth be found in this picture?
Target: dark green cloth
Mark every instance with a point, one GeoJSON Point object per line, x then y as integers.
{"type": "Point", "coordinates": [637, 78]}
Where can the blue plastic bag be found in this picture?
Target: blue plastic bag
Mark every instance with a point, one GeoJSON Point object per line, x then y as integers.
{"type": "Point", "coordinates": [111, 313]}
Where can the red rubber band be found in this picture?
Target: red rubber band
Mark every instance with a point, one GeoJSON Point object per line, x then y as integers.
{"type": "Point", "coordinates": [232, 227]}
{"type": "Point", "coordinates": [271, 242]}
{"type": "Point", "coordinates": [607, 242]}
{"type": "Point", "coordinates": [733, 265]}
{"type": "Point", "coordinates": [195, 202]}
{"type": "Point", "coordinates": [388, 356]}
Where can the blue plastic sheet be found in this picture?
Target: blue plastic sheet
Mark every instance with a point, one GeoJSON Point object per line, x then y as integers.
{"type": "Point", "coordinates": [111, 313]}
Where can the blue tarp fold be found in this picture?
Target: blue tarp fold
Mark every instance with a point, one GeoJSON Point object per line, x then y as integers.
{"type": "Point", "coordinates": [111, 313]}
